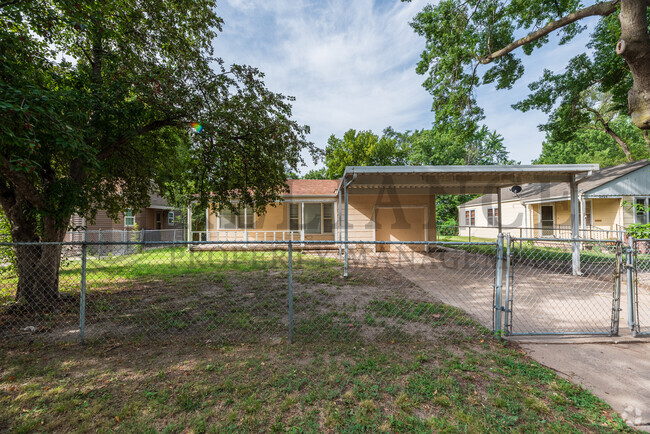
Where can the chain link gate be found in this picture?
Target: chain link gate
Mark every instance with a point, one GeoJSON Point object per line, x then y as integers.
{"type": "Point", "coordinates": [546, 295]}
{"type": "Point", "coordinates": [638, 286]}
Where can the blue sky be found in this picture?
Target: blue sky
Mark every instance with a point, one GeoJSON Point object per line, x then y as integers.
{"type": "Point", "coordinates": [351, 64]}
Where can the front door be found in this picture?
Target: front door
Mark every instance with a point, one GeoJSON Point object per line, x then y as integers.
{"type": "Point", "coordinates": [547, 220]}
{"type": "Point", "coordinates": [158, 220]}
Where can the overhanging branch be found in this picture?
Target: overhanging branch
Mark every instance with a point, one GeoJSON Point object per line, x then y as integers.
{"type": "Point", "coordinates": [602, 9]}
{"type": "Point", "coordinates": [124, 139]}
{"type": "Point", "coordinates": [21, 183]}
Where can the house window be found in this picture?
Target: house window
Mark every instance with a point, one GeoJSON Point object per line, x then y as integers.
{"type": "Point", "coordinates": [493, 216]}
{"type": "Point", "coordinates": [328, 220]}
{"type": "Point", "coordinates": [245, 219]}
{"type": "Point", "coordinates": [588, 213]}
{"type": "Point", "coordinates": [470, 218]}
{"type": "Point", "coordinates": [294, 217]}
{"type": "Point", "coordinates": [318, 218]}
{"type": "Point", "coordinates": [170, 218]}
{"type": "Point", "coordinates": [641, 210]}
{"type": "Point", "coordinates": [129, 218]}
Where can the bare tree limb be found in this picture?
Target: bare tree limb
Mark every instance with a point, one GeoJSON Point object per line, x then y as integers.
{"type": "Point", "coordinates": [602, 9]}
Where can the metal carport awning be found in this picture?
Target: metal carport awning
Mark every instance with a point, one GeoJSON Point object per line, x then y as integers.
{"type": "Point", "coordinates": [464, 180]}
{"type": "Point", "coordinates": [460, 179]}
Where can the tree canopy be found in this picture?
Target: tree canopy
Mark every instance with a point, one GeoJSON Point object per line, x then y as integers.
{"type": "Point", "coordinates": [97, 101]}
{"type": "Point", "coordinates": [463, 37]}
{"type": "Point", "coordinates": [363, 148]}
{"type": "Point", "coordinates": [440, 145]}
{"type": "Point", "coordinates": [592, 145]}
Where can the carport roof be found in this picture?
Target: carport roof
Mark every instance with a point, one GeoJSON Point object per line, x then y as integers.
{"type": "Point", "coordinates": [458, 179]}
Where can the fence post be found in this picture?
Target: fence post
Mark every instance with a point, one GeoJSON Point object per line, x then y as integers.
{"type": "Point", "coordinates": [508, 292]}
{"type": "Point", "coordinates": [498, 279]}
{"type": "Point", "coordinates": [290, 292]}
{"type": "Point", "coordinates": [631, 293]}
{"type": "Point", "coordinates": [616, 299]}
{"type": "Point", "coordinates": [82, 298]}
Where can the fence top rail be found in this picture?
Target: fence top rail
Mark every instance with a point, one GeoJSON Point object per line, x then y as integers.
{"type": "Point", "coordinates": [202, 243]}
{"type": "Point", "coordinates": [566, 240]}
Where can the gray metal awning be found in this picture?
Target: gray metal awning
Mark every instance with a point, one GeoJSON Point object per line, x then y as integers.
{"type": "Point", "coordinates": [458, 179]}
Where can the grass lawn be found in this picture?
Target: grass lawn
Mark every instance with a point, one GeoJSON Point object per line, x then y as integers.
{"type": "Point", "coordinates": [468, 385]}
{"type": "Point", "coordinates": [197, 342]}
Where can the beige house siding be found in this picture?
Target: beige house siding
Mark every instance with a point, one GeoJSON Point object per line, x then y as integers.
{"type": "Point", "coordinates": [606, 213]}
{"type": "Point", "coordinates": [512, 218]}
{"type": "Point", "coordinates": [362, 207]}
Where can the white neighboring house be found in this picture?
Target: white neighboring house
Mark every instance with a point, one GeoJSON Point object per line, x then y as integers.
{"type": "Point", "coordinates": [543, 210]}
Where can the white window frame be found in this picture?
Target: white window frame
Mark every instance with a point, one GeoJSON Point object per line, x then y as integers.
{"type": "Point", "coordinates": [243, 212]}
{"type": "Point", "coordinates": [299, 207]}
{"type": "Point", "coordinates": [472, 216]}
{"type": "Point", "coordinates": [170, 218]}
{"type": "Point", "coordinates": [590, 221]}
{"type": "Point", "coordinates": [492, 220]}
{"type": "Point", "coordinates": [322, 217]}
{"type": "Point", "coordinates": [646, 200]}
{"type": "Point", "coordinates": [132, 217]}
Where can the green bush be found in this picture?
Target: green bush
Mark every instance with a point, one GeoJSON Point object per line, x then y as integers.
{"type": "Point", "coordinates": [639, 231]}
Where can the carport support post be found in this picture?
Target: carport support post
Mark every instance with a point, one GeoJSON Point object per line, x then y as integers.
{"type": "Point", "coordinates": [499, 220]}
{"type": "Point", "coordinates": [575, 226]}
{"type": "Point", "coordinates": [506, 310]}
{"type": "Point", "coordinates": [345, 193]}
{"type": "Point", "coordinates": [82, 297]}
{"type": "Point", "coordinates": [498, 284]}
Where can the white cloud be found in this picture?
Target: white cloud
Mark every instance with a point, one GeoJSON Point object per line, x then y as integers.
{"type": "Point", "coordinates": [351, 64]}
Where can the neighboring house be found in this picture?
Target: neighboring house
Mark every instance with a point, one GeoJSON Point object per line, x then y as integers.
{"type": "Point", "coordinates": [159, 215]}
{"type": "Point", "coordinates": [605, 196]}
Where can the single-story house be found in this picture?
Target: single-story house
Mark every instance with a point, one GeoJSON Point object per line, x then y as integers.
{"type": "Point", "coordinates": [605, 197]}
{"type": "Point", "coordinates": [374, 203]}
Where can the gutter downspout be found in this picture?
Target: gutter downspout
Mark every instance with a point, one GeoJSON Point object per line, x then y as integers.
{"type": "Point", "coordinates": [345, 192]}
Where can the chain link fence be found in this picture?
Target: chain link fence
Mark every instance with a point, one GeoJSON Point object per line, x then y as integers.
{"type": "Point", "coordinates": [303, 291]}
{"type": "Point", "coordinates": [639, 276]}
{"type": "Point", "coordinates": [548, 293]}
{"type": "Point", "coordinates": [242, 292]}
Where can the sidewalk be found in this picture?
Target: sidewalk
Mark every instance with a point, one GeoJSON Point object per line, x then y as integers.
{"type": "Point", "coordinates": [617, 370]}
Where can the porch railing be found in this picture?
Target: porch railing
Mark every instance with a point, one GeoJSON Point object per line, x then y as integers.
{"type": "Point", "coordinates": [232, 235]}
{"type": "Point", "coordinates": [561, 231]}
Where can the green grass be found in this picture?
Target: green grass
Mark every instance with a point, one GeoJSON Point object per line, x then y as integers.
{"type": "Point", "coordinates": [598, 252]}
{"type": "Point", "coordinates": [463, 386]}
{"type": "Point", "coordinates": [169, 263]}
{"type": "Point", "coordinates": [208, 352]}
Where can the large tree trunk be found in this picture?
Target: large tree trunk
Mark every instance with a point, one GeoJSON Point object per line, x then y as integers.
{"type": "Point", "coordinates": [38, 264]}
{"type": "Point", "coordinates": [634, 47]}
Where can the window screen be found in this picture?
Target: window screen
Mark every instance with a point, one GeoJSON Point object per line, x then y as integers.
{"type": "Point", "coordinates": [294, 217]}
{"type": "Point", "coordinates": [328, 220]}
{"type": "Point", "coordinates": [312, 221]}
